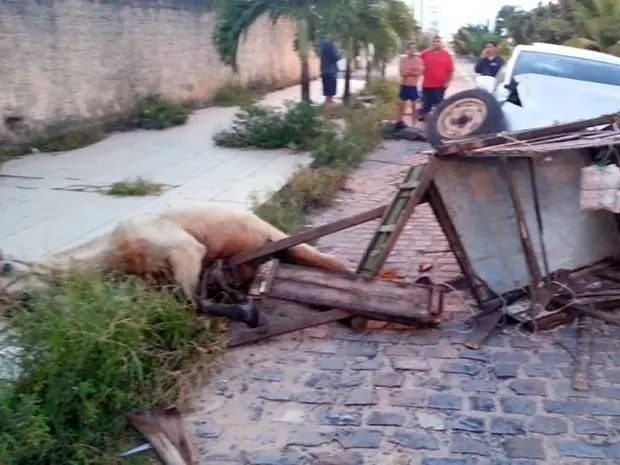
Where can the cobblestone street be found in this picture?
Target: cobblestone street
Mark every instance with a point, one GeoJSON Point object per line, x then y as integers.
{"type": "Point", "coordinates": [332, 396]}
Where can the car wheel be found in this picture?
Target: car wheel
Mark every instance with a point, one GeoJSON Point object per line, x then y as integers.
{"type": "Point", "coordinates": [469, 113]}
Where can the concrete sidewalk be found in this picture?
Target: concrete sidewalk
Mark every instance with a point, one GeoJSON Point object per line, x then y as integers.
{"type": "Point", "coordinates": [39, 213]}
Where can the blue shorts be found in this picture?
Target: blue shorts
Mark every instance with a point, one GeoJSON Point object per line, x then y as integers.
{"type": "Point", "coordinates": [329, 84]}
{"type": "Point", "coordinates": [408, 93]}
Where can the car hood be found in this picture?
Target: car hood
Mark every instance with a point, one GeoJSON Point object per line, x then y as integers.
{"type": "Point", "coordinates": [548, 100]}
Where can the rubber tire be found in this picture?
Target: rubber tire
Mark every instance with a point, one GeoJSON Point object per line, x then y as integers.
{"type": "Point", "coordinates": [492, 124]}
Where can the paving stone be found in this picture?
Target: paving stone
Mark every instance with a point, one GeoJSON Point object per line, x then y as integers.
{"type": "Point", "coordinates": [442, 352]}
{"type": "Point", "coordinates": [389, 379]}
{"type": "Point", "coordinates": [208, 430]}
{"type": "Point", "coordinates": [361, 397]}
{"type": "Point", "coordinates": [326, 380]}
{"type": "Point", "coordinates": [613, 452]}
{"type": "Point", "coordinates": [580, 450]}
{"type": "Point", "coordinates": [465, 445]}
{"type": "Point", "coordinates": [539, 370]}
{"type": "Point", "coordinates": [469, 424]}
{"type": "Point", "coordinates": [337, 458]}
{"type": "Point", "coordinates": [565, 407]}
{"type": "Point", "coordinates": [273, 458]}
{"type": "Point", "coordinates": [478, 355]}
{"type": "Point", "coordinates": [482, 404]}
{"type": "Point", "coordinates": [460, 368]}
{"type": "Point", "coordinates": [445, 402]}
{"type": "Point", "coordinates": [613, 376]}
{"type": "Point", "coordinates": [525, 448]}
{"type": "Point", "coordinates": [403, 351]}
{"type": "Point", "coordinates": [500, 425]}
{"type": "Point", "coordinates": [385, 419]}
{"type": "Point", "coordinates": [275, 394]}
{"type": "Point", "coordinates": [604, 408]}
{"type": "Point", "coordinates": [554, 358]}
{"type": "Point", "coordinates": [511, 357]}
{"type": "Point", "coordinates": [528, 387]}
{"type": "Point", "coordinates": [360, 349]}
{"type": "Point", "coordinates": [315, 397]}
{"type": "Point", "coordinates": [340, 418]}
{"type": "Point", "coordinates": [589, 426]}
{"type": "Point", "coordinates": [255, 412]}
{"type": "Point", "coordinates": [505, 370]}
{"type": "Point", "coordinates": [607, 392]}
{"type": "Point", "coordinates": [521, 342]}
{"type": "Point", "coordinates": [547, 425]}
{"type": "Point", "coordinates": [359, 438]}
{"type": "Point", "coordinates": [615, 424]}
{"type": "Point", "coordinates": [373, 364]}
{"type": "Point", "coordinates": [309, 437]}
{"type": "Point", "coordinates": [475, 385]}
{"type": "Point", "coordinates": [272, 376]}
{"type": "Point", "coordinates": [430, 421]}
{"type": "Point", "coordinates": [517, 405]}
{"type": "Point", "coordinates": [330, 364]}
{"type": "Point", "coordinates": [411, 364]}
{"type": "Point", "coordinates": [408, 398]}
{"type": "Point", "coordinates": [435, 384]}
{"type": "Point", "coordinates": [445, 461]}
{"type": "Point", "coordinates": [424, 337]}
{"type": "Point", "coordinates": [412, 440]}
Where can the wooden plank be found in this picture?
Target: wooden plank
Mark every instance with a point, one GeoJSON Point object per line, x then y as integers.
{"type": "Point", "coordinates": [306, 236]}
{"type": "Point", "coordinates": [524, 234]}
{"type": "Point", "coordinates": [478, 287]}
{"type": "Point", "coordinates": [288, 325]}
{"type": "Point", "coordinates": [369, 297]}
{"type": "Point", "coordinates": [486, 325]}
{"type": "Point", "coordinates": [583, 356]}
{"type": "Point", "coordinates": [456, 147]}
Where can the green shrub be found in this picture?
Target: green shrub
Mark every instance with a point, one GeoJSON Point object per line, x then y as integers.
{"type": "Point", "coordinates": [92, 351]}
{"type": "Point", "coordinates": [156, 112]}
{"type": "Point", "coordinates": [272, 128]}
{"type": "Point", "coordinates": [385, 90]}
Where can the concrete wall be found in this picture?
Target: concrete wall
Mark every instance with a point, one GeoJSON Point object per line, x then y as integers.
{"type": "Point", "coordinates": [64, 60]}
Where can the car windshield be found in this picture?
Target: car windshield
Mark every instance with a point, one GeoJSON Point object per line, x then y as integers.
{"type": "Point", "coordinates": [581, 69]}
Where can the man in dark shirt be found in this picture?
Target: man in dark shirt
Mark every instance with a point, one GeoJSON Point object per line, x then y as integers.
{"type": "Point", "coordinates": [330, 55]}
{"type": "Point", "coordinates": [490, 61]}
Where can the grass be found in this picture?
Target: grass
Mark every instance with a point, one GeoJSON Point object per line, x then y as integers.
{"type": "Point", "coordinates": [92, 351]}
{"type": "Point", "coordinates": [235, 95]}
{"type": "Point", "coordinates": [134, 188]}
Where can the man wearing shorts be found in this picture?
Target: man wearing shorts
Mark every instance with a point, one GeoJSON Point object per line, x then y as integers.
{"type": "Point", "coordinates": [438, 72]}
{"type": "Point", "coordinates": [330, 55]}
{"type": "Point", "coordinates": [411, 67]}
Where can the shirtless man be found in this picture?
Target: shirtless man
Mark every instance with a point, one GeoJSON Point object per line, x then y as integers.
{"type": "Point", "coordinates": [411, 68]}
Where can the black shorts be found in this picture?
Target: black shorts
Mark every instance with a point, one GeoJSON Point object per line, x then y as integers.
{"type": "Point", "coordinates": [431, 97]}
{"type": "Point", "coordinates": [329, 84]}
{"type": "Point", "coordinates": [408, 93]}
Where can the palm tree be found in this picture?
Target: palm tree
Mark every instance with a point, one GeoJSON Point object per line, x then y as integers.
{"type": "Point", "coordinates": [601, 22]}
{"type": "Point", "coordinates": [235, 17]}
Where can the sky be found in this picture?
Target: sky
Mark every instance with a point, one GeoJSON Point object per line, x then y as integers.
{"type": "Point", "coordinates": [451, 14]}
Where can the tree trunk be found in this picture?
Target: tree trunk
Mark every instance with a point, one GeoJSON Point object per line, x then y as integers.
{"type": "Point", "coordinates": [346, 96]}
{"type": "Point", "coordinates": [302, 29]}
{"type": "Point", "coordinates": [383, 70]}
{"type": "Point", "coordinates": [368, 66]}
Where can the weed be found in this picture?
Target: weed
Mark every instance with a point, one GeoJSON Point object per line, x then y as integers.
{"type": "Point", "coordinates": [135, 188]}
{"type": "Point", "coordinates": [235, 95]}
{"type": "Point", "coordinates": [273, 128]}
{"type": "Point", "coordinates": [385, 90]}
{"type": "Point", "coordinates": [92, 351]}
{"type": "Point", "coordinates": [156, 112]}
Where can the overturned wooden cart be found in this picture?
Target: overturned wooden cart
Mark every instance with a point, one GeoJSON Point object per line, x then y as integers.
{"type": "Point", "coordinates": [509, 207]}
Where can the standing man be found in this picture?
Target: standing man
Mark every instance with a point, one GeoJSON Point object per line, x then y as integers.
{"type": "Point", "coordinates": [330, 55]}
{"type": "Point", "coordinates": [490, 61]}
{"type": "Point", "coordinates": [438, 72]}
{"type": "Point", "coordinates": [411, 67]}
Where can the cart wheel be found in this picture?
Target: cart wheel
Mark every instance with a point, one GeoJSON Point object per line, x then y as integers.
{"type": "Point", "coordinates": [469, 113]}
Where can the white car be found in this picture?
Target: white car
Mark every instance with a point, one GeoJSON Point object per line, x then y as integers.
{"type": "Point", "coordinates": [540, 85]}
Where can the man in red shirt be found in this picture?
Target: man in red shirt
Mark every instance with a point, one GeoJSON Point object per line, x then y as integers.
{"type": "Point", "coordinates": [438, 71]}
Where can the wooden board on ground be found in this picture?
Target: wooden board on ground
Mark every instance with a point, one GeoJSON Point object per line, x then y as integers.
{"type": "Point", "coordinates": [413, 304]}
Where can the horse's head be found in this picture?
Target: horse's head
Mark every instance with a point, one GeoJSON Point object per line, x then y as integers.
{"type": "Point", "coordinates": [19, 278]}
